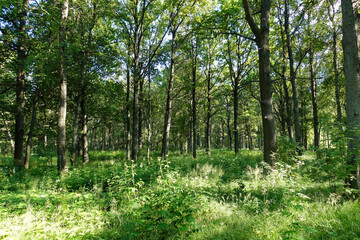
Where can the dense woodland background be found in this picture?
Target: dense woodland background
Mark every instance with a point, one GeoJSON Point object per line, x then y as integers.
{"type": "Point", "coordinates": [136, 82]}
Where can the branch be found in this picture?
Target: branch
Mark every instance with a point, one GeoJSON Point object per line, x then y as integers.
{"type": "Point", "coordinates": [254, 27]}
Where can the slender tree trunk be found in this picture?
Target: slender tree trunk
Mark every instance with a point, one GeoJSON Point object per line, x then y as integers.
{"type": "Point", "coordinates": [194, 102]}
{"type": "Point", "coordinates": [20, 86]}
{"type": "Point", "coordinates": [31, 130]}
{"type": "Point", "coordinates": [149, 122]}
{"type": "Point", "coordinates": [287, 98]}
{"type": "Point", "coordinates": [337, 83]}
{"type": "Point", "coordinates": [75, 132]}
{"type": "Point", "coordinates": [236, 115]}
{"type": "Point", "coordinates": [85, 146]}
{"type": "Point", "coordinates": [128, 117]}
{"type": "Point", "coordinates": [229, 131]}
{"type": "Point", "coordinates": [61, 139]}
{"type": "Point", "coordinates": [167, 119]}
{"type": "Point", "coordinates": [352, 87]}
{"type": "Point", "coordinates": [8, 132]}
{"type": "Point", "coordinates": [292, 77]}
{"type": "Point", "coordinates": [262, 41]}
{"type": "Point", "coordinates": [141, 98]}
{"type": "Point", "coordinates": [314, 99]}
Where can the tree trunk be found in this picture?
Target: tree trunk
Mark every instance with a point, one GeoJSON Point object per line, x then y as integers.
{"type": "Point", "coordinates": [85, 145]}
{"type": "Point", "coordinates": [8, 132]}
{"type": "Point", "coordinates": [194, 102]}
{"type": "Point", "coordinates": [314, 99]}
{"type": "Point", "coordinates": [167, 118]}
{"type": "Point", "coordinates": [262, 41]}
{"type": "Point", "coordinates": [337, 84]}
{"type": "Point", "coordinates": [352, 87]}
{"type": "Point", "coordinates": [292, 78]}
{"type": "Point", "coordinates": [31, 130]}
{"type": "Point", "coordinates": [141, 98]}
{"type": "Point", "coordinates": [61, 139]}
{"type": "Point", "coordinates": [75, 132]}
{"type": "Point", "coordinates": [128, 117]}
{"type": "Point", "coordinates": [149, 123]}
{"type": "Point", "coordinates": [20, 86]}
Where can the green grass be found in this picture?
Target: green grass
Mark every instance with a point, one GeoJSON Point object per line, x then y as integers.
{"type": "Point", "coordinates": [217, 197]}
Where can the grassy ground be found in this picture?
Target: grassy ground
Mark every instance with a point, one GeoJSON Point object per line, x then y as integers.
{"type": "Point", "coordinates": [217, 197]}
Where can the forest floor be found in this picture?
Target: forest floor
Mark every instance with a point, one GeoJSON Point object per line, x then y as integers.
{"type": "Point", "coordinates": [217, 197]}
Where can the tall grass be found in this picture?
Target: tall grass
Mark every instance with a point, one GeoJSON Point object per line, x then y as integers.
{"type": "Point", "coordinates": [217, 197]}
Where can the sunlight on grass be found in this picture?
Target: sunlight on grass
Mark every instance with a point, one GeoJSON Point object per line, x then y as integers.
{"type": "Point", "coordinates": [222, 197]}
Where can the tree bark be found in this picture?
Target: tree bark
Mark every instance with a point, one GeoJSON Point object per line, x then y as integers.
{"type": "Point", "coordinates": [31, 130]}
{"type": "Point", "coordinates": [128, 117]}
{"type": "Point", "coordinates": [20, 86]}
{"type": "Point", "coordinates": [149, 123]}
{"type": "Point", "coordinates": [167, 118]}
{"type": "Point", "coordinates": [75, 136]}
{"type": "Point", "coordinates": [194, 125]}
{"type": "Point", "coordinates": [84, 131]}
{"type": "Point", "coordinates": [61, 139]}
{"type": "Point", "coordinates": [292, 77]}
{"type": "Point", "coordinates": [352, 87]}
{"type": "Point", "coordinates": [262, 41]}
{"type": "Point", "coordinates": [8, 132]}
{"type": "Point", "coordinates": [314, 99]}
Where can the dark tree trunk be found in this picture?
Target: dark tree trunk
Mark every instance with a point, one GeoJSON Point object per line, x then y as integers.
{"type": "Point", "coordinates": [61, 139]}
{"type": "Point", "coordinates": [194, 102]}
{"type": "Point", "coordinates": [31, 130]}
{"type": "Point", "coordinates": [141, 99]}
{"type": "Point", "coordinates": [314, 99]}
{"type": "Point", "coordinates": [149, 122]}
{"type": "Point", "coordinates": [20, 86]}
{"type": "Point", "coordinates": [352, 87]}
{"type": "Point", "coordinates": [292, 77]}
{"type": "Point", "coordinates": [337, 83]}
{"type": "Point", "coordinates": [262, 41]}
{"type": "Point", "coordinates": [128, 117]}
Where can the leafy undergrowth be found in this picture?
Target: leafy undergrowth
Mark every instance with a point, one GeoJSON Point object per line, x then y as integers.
{"type": "Point", "coordinates": [217, 197]}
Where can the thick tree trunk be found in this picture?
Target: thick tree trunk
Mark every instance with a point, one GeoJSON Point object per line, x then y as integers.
{"type": "Point", "coordinates": [167, 118]}
{"type": "Point", "coordinates": [75, 136]}
{"type": "Point", "coordinates": [292, 78]}
{"type": "Point", "coordinates": [61, 139]}
{"type": "Point", "coordinates": [314, 99]}
{"type": "Point", "coordinates": [20, 86]}
{"type": "Point", "coordinates": [352, 86]}
{"type": "Point", "coordinates": [31, 131]}
{"type": "Point", "coordinates": [262, 41]}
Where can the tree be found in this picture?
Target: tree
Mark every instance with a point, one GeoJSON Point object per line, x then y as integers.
{"type": "Point", "coordinates": [262, 41]}
{"type": "Point", "coordinates": [352, 86]}
{"type": "Point", "coordinates": [61, 140]}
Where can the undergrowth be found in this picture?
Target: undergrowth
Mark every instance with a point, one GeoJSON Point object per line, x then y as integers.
{"type": "Point", "coordinates": [217, 197]}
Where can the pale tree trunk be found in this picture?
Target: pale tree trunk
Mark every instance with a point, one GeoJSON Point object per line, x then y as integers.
{"type": "Point", "coordinates": [20, 86]}
{"type": "Point", "coordinates": [75, 132]}
{"type": "Point", "coordinates": [167, 118]}
{"type": "Point", "coordinates": [292, 78]}
{"type": "Point", "coordinates": [31, 130]}
{"type": "Point", "coordinates": [314, 99]}
{"type": "Point", "coordinates": [8, 132]}
{"type": "Point", "coordinates": [262, 41]}
{"type": "Point", "coordinates": [84, 131]}
{"type": "Point", "coordinates": [61, 139]}
{"type": "Point", "coordinates": [352, 87]}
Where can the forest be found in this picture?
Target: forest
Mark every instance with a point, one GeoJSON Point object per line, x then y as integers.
{"type": "Point", "coordinates": [179, 119]}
